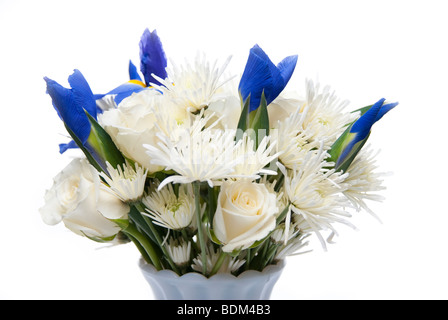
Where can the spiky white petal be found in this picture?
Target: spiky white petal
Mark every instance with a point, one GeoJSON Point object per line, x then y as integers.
{"type": "Point", "coordinates": [179, 251]}
{"type": "Point", "coordinates": [363, 181]}
{"type": "Point", "coordinates": [293, 142]}
{"type": "Point", "coordinates": [324, 115]}
{"type": "Point", "coordinates": [315, 193]}
{"type": "Point", "coordinates": [169, 210]}
{"type": "Point", "coordinates": [126, 181]}
{"type": "Point", "coordinates": [255, 160]}
{"type": "Point", "coordinates": [229, 265]}
{"type": "Point", "coordinates": [193, 87]}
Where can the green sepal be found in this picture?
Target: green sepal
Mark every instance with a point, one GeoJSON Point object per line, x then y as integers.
{"type": "Point", "coordinates": [259, 242]}
{"type": "Point", "coordinates": [122, 223]}
{"type": "Point", "coordinates": [99, 239]}
{"type": "Point", "coordinates": [213, 236]}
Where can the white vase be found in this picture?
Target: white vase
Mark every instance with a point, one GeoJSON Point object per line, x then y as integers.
{"type": "Point", "coordinates": [249, 285]}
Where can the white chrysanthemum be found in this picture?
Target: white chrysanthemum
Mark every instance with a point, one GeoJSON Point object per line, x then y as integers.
{"type": "Point", "coordinates": [193, 87]}
{"type": "Point", "coordinates": [179, 251]}
{"type": "Point", "coordinates": [292, 140]}
{"type": "Point", "coordinates": [362, 181]}
{"type": "Point", "coordinates": [229, 265]}
{"type": "Point", "coordinates": [293, 247]}
{"type": "Point", "coordinates": [324, 115]}
{"type": "Point", "coordinates": [127, 183]}
{"type": "Point", "coordinates": [199, 154]}
{"type": "Point", "coordinates": [315, 193]}
{"type": "Point", "coordinates": [254, 161]}
{"type": "Point", "coordinates": [169, 210]}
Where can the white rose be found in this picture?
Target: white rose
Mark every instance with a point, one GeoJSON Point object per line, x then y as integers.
{"type": "Point", "coordinates": [245, 213]}
{"type": "Point", "coordinates": [132, 124]}
{"type": "Point", "coordinates": [78, 198]}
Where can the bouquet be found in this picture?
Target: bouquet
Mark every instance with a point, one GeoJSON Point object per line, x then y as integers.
{"type": "Point", "coordinates": [207, 174]}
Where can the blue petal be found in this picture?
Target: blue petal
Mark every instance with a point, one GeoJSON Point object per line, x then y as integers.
{"type": "Point", "coordinates": [125, 90]}
{"type": "Point", "coordinates": [363, 125]}
{"type": "Point", "coordinates": [287, 66]}
{"type": "Point", "coordinates": [360, 130]}
{"type": "Point", "coordinates": [133, 73]}
{"type": "Point", "coordinates": [65, 146]}
{"type": "Point", "coordinates": [82, 92]}
{"type": "Point", "coordinates": [385, 109]}
{"type": "Point", "coordinates": [71, 103]}
{"type": "Point", "coordinates": [152, 57]}
{"type": "Point", "coordinates": [260, 74]}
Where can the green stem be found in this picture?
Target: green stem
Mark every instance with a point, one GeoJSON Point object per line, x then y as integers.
{"type": "Point", "coordinates": [218, 263]}
{"type": "Point", "coordinates": [196, 188]}
{"type": "Point", "coordinates": [139, 206]}
{"type": "Point", "coordinates": [146, 245]}
{"type": "Point", "coordinates": [248, 259]}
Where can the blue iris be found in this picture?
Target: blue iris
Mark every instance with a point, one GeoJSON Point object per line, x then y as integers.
{"type": "Point", "coordinates": [152, 61]}
{"type": "Point", "coordinates": [360, 130]}
{"type": "Point", "coordinates": [72, 105]}
{"type": "Point", "coordinates": [261, 75]}
{"type": "Point", "coordinates": [152, 57]}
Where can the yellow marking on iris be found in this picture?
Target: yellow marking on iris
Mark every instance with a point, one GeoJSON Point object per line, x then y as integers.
{"type": "Point", "coordinates": [137, 82]}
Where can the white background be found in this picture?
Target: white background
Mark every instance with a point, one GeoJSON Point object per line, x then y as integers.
{"type": "Point", "coordinates": [365, 50]}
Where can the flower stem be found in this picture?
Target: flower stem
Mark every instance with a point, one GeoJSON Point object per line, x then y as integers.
{"type": "Point", "coordinates": [146, 245]}
{"type": "Point", "coordinates": [139, 206]}
{"type": "Point", "coordinates": [218, 263]}
{"type": "Point", "coordinates": [196, 188]}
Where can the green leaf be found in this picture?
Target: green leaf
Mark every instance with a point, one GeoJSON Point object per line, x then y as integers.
{"type": "Point", "coordinates": [349, 159]}
{"type": "Point", "coordinates": [140, 222]}
{"type": "Point", "coordinates": [89, 157]}
{"type": "Point", "coordinates": [344, 139]}
{"type": "Point", "coordinates": [259, 120]}
{"type": "Point", "coordinates": [255, 123]}
{"type": "Point", "coordinates": [243, 123]}
{"type": "Point", "coordinates": [101, 141]}
{"type": "Point", "coordinates": [338, 146]}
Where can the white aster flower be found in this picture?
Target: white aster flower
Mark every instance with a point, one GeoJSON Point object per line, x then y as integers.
{"type": "Point", "coordinates": [169, 210]}
{"type": "Point", "coordinates": [179, 251]}
{"type": "Point", "coordinates": [315, 193]}
{"type": "Point", "coordinates": [193, 87]}
{"type": "Point", "coordinates": [127, 182]}
{"type": "Point", "coordinates": [229, 265]}
{"type": "Point", "coordinates": [362, 181]}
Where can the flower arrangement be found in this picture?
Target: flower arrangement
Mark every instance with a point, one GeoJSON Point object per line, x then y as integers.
{"type": "Point", "coordinates": [207, 176]}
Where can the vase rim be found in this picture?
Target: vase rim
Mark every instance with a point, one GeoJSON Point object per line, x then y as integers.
{"type": "Point", "coordinates": [194, 276]}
